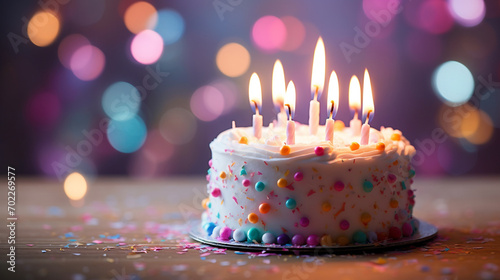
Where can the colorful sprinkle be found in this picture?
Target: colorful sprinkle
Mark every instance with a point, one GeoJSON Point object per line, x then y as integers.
{"type": "Point", "coordinates": [319, 151]}
{"type": "Point", "coordinates": [395, 137]}
{"type": "Point", "coordinates": [313, 240]}
{"type": "Point", "coordinates": [394, 203]}
{"type": "Point", "coordinates": [209, 205]}
{"type": "Point", "coordinates": [298, 176]}
{"type": "Point", "coordinates": [343, 240]}
{"type": "Point", "coordinates": [326, 206]}
{"type": "Point", "coordinates": [282, 183]}
{"type": "Point", "coordinates": [326, 240]}
{"type": "Point", "coordinates": [246, 182]}
{"type": "Point", "coordinates": [380, 146]}
{"type": "Point", "coordinates": [260, 186]}
{"type": "Point", "coordinates": [367, 186]}
{"type": "Point", "coordinates": [354, 146]}
{"type": "Point", "coordinates": [243, 140]}
{"type": "Point", "coordinates": [243, 172]}
{"type": "Point", "coordinates": [403, 185]}
{"type": "Point", "coordinates": [359, 237]}
{"type": "Point", "coordinates": [268, 238]}
{"type": "Point", "coordinates": [239, 235]}
{"type": "Point", "coordinates": [283, 239]}
{"type": "Point", "coordinates": [298, 240]}
{"type": "Point", "coordinates": [264, 208]}
{"type": "Point", "coordinates": [225, 233]}
{"type": "Point", "coordinates": [344, 225]}
{"type": "Point", "coordinates": [216, 192]}
{"type": "Point", "coordinates": [291, 203]}
{"type": "Point", "coordinates": [222, 175]}
{"type": "Point", "coordinates": [285, 150]}
{"type": "Point", "coordinates": [253, 218]}
{"type": "Point", "coordinates": [253, 234]}
{"type": "Point", "coordinates": [304, 221]}
{"type": "Point", "coordinates": [366, 218]}
{"type": "Point", "coordinates": [395, 233]}
{"type": "Point", "coordinates": [339, 186]}
{"type": "Point", "coordinates": [411, 173]}
{"type": "Point", "coordinates": [210, 163]}
{"type": "Point", "coordinates": [407, 230]}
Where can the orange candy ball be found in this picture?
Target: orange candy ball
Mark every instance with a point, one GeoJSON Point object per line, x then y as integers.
{"type": "Point", "coordinates": [326, 206]}
{"type": "Point", "coordinates": [380, 146]}
{"type": "Point", "coordinates": [204, 203]}
{"type": "Point", "coordinates": [366, 218]}
{"type": "Point", "coordinates": [285, 150]}
{"type": "Point", "coordinates": [394, 203]}
{"type": "Point", "coordinates": [395, 137]}
{"type": "Point", "coordinates": [354, 146]}
{"type": "Point", "coordinates": [253, 218]}
{"type": "Point", "coordinates": [223, 175]}
{"type": "Point", "coordinates": [264, 208]}
{"type": "Point", "coordinates": [243, 140]}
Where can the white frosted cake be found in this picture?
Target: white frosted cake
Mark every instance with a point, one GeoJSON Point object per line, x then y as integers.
{"type": "Point", "coordinates": [312, 193]}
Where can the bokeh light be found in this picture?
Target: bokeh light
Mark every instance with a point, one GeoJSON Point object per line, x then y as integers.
{"type": "Point", "coordinates": [75, 186]}
{"type": "Point", "coordinates": [43, 28]}
{"type": "Point", "coordinates": [43, 109]}
{"type": "Point", "coordinates": [295, 33]}
{"type": "Point", "coordinates": [177, 126]}
{"type": "Point", "coordinates": [170, 26]}
{"type": "Point", "coordinates": [127, 136]}
{"type": "Point", "coordinates": [156, 148]}
{"type": "Point", "coordinates": [121, 101]}
{"type": "Point", "coordinates": [380, 10]}
{"type": "Point", "coordinates": [269, 33]}
{"type": "Point", "coordinates": [230, 92]}
{"type": "Point", "coordinates": [207, 103]}
{"type": "Point", "coordinates": [140, 16]}
{"type": "Point", "coordinates": [453, 83]}
{"type": "Point", "coordinates": [68, 46]}
{"type": "Point", "coordinates": [233, 60]}
{"type": "Point", "coordinates": [480, 131]}
{"type": "Point", "coordinates": [147, 47]}
{"type": "Point", "coordinates": [87, 62]}
{"type": "Point", "coordinates": [433, 16]}
{"type": "Point", "coordinates": [467, 13]}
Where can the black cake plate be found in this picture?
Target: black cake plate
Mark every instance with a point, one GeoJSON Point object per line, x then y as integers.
{"type": "Point", "coordinates": [426, 232]}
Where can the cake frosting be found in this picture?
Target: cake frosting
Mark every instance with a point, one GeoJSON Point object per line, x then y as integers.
{"type": "Point", "coordinates": [314, 192]}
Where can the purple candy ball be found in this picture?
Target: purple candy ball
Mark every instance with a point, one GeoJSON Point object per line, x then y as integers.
{"type": "Point", "coordinates": [313, 240]}
{"type": "Point", "coordinates": [304, 221]}
{"type": "Point", "coordinates": [283, 239]}
{"type": "Point", "coordinates": [298, 240]}
{"type": "Point", "coordinates": [225, 233]}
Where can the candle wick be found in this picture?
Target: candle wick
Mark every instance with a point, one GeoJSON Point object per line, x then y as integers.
{"type": "Point", "coordinates": [331, 109]}
{"type": "Point", "coordinates": [256, 107]}
{"type": "Point", "coordinates": [289, 112]}
{"type": "Point", "coordinates": [316, 93]}
{"type": "Point", "coordinates": [355, 114]}
{"type": "Point", "coordinates": [368, 116]}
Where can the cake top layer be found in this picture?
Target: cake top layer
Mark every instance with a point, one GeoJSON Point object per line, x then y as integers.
{"type": "Point", "coordinates": [240, 141]}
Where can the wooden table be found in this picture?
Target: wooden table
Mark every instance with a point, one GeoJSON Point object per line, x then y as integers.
{"type": "Point", "coordinates": [131, 229]}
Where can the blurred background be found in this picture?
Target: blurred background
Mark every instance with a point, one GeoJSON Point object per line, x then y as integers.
{"type": "Point", "coordinates": [171, 75]}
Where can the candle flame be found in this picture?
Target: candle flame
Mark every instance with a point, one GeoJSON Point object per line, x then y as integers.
{"type": "Point", "coordinates": [278, 87]}
{"type": "Point", "coordinates": [333, 95]}
{"type": "Point", "coordinates": [255, 93]}
{"type": "Point", "coordinates": [290, 97]}
{"type": "Point", "coordinates": [368, 106]}
{"type": "Point", "coordinates": [318, 70]}
{"type": "Point", "coordinates": [354, 95]}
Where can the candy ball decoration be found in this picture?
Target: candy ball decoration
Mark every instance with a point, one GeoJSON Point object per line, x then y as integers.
{"type": "Point", "coordinates": [225, 233]}
{"type": "Point", "coordinates": [216, 192]}
{"type": "Point", "coordinates": [343, 240]}
{"type": "Point", "coordinates": [264, 208]}
{"type": "Point", "coordinates": [268, 238]}
{"type": "Point", "coordinates": [319, 151]}
{"type": "Point", "coordinates": [260, 186]}
{"type": "Point", "coordinates": [253, 218]}
{"type": "Point", "coordinates": [298, 240]}
{"type": "Point", "coordinates": [395, 233]}
{"type": "Point", "coordinates": [239, 235]}
{"type": "Point", "coordinates": [326, 206]}
{"type": "Point", "coordinates": [326, 240]}
{"type": "Point", "coordinates": [359, 237]}
{"type": "Point", "coordinates": [282, 183]}
{"type": "Point", "coordinates": [313, 240]}
{"type": "Point", "coordinates": [283, 239]}
{"type": "Point", "coordinates": [215, 232]}
{"type": "Point", "coordinates": [209, 228]}
{"type": "Point", "coordinates": [304, 221]}
{"type": "Point", "coordinates": [344, 225]}
{"type": "Point", "coordinates": [291, 203]}
{"type": "Point", "coordinates": [246, 182]}
{"type": "Point", "coordinates": [367, 186]}
{"type": "Point", "coordinates": [253, 235]}
{"type": "Point", "coordinates": [407, 230]}
{"type": "Point", "coordinates": [298, 176]}
{"type": "Point", "coordinates": [338, 186]}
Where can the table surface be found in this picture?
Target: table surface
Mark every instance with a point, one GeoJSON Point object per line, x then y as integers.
{"type": "Point", "coordinates": [133, 229]}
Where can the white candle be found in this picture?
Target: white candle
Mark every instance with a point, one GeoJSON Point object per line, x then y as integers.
{"type": "Point", "coordinates": [317, 83]}
{"type": "Point", "coordinates": [332, 105]}
{"type": "Point", "coordinates": [290, 106]}
{"type": "Point", "coordinates": [278, 91]}
{"type": "Point", "coordinates": [368, 109]}
{"type": "Point", "coordinates": [255, 98]}
{"type": "Point", "coordinates": [355, 104]}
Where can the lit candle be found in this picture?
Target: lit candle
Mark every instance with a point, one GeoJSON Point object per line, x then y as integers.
{"type": "Point", "coordinates": [317, 83]}
{"type": "Point", "coordinates": [255, 97]}
{"type": "Point", "coordinates": [290, 111]}
{"type": "Point", "coordinates": [278, 89]}
{"type": "Point", "coordinates": [332, 105]}
{"type": "Point", "coordinates": [368, 109]}
{"type": "Point", "coordinates": [355, 104]}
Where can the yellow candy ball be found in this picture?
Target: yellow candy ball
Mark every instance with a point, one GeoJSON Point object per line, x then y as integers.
{"type": "Point", "coordinates": [366, 218]}
{"type": "Point", "coordinates": [282, 183]}
{"type": "Point", "coordinates": [326, 206]}
{"type": "Point", "coordinates": [326, 240]}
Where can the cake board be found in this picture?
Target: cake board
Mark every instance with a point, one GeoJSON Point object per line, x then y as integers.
{"type": "Point", "coordinates": [425, 233]}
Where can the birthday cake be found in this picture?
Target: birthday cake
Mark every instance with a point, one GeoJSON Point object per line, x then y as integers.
{"type": "Point", "coordinates": [314, 192]}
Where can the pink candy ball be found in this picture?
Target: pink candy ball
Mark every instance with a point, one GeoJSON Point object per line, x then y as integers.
{"type": "Point", "coordinates": [313, 240]}
{"type": "Point", "coordinates": [216, 192]}
{"type": "Point", "coordinates": [246, 182]}
{"type": "Point", "coordinates": [344, 225]}
{"type": "Point", "coordinates": [338, 186]}
{"type": "Point", "coordinates": [298, 176]}
{"type": "Point", "coordinates": [319, 151]}
{"type": "Point", "coordinates": [304, 221]}
{"type": "Point", "coordinates": [225, 233]}
{"type": "Point", "coordinates": [407, 230]}
{"type": "Point", "coordinates": [391, 178]}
